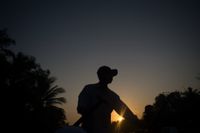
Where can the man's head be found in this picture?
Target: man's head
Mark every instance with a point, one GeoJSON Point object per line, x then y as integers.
{"type": "Point", "coordinates": [106, 74]}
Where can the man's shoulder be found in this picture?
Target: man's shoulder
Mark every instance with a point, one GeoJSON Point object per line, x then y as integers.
{"type": "Point", "coordinates": [90, 88]}
{"type": "Point", "coordinates": [110, 96]}
{"type": "Point", "coordinates": [112, 93]}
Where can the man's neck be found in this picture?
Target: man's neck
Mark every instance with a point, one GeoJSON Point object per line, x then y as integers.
{"type": "Point", "coordinates": [103, 85]}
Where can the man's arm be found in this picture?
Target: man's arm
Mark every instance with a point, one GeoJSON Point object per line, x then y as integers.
{"type": "Point", "coordinates": [122, 109]}
{"type": "Point", "coordinates": [83, 102]}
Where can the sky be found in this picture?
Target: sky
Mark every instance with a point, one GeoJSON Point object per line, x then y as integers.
{"type": "Point", "coordinates": [155, 45]}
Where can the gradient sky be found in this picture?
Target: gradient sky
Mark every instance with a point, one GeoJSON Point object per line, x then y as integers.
{"type": "Point", "coordinates": [155, 45]}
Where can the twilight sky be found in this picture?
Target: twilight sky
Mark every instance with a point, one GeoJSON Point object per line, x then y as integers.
{"type": "Point", "coordinates": [155, 45]}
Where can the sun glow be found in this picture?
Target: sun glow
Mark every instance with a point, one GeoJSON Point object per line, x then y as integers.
{"type": "Point", "coordinates": [120, 119]}
{"type": "Point", "coordinates": [116, 117]}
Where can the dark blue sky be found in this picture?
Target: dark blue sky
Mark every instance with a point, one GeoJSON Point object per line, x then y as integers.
{"type": "Point", "coordinates": [155, 45]}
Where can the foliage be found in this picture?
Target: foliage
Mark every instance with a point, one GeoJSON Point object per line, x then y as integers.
{"type": "Point", "coordinates": [175, 109]}
{"type": "Point", "coordinates": [28, 92]}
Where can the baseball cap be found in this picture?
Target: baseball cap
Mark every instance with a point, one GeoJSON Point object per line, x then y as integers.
{"type": "Point", "coordinates": [105, 70]}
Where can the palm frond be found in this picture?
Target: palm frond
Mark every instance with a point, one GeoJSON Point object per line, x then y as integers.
{"type": "Point", "coordinates": [59, 100]}
{"type": "Point", "coordinates": [53, 92]}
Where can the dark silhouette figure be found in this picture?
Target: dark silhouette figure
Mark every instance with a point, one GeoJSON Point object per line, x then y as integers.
{"type": "Point", "coordinates": [97, 101]}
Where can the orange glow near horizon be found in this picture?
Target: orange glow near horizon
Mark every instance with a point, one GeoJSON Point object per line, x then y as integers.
{"type": "Point", "coordinates": [116, 117]}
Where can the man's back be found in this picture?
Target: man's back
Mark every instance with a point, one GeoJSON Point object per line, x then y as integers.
{"type": "Point", "coordinates": [100, 119]}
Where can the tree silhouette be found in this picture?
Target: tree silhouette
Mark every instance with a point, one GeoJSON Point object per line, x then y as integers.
{"type": "Point", "coordinates": [178, 110]}
{"type": "Point", "coordinates": [29, 95]}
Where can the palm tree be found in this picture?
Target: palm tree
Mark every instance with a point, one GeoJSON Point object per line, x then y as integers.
{"type": "Point", "coordinates": [49, 97]}
{"type": "Point", "coordinates": [31, 98]}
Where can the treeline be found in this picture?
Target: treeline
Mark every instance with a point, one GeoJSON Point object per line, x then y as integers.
{"type": "Point", "coordinates": [29, 96]}
{"type": "Point", "coordinates": [178, 110]}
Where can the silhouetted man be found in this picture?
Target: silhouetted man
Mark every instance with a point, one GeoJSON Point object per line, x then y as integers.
{"type": "Point", "coordinates": [97, 101]}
